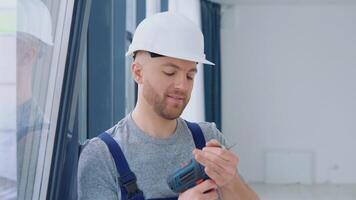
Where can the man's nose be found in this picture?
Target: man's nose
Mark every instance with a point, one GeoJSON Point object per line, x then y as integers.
{"type": "Point", "coordinates": [181, 82]}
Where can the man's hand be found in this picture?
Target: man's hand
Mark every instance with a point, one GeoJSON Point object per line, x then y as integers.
{"type": "Point", "coordinates": [220, 164]}
{"type": "Point", "coordinates": [206, 190]}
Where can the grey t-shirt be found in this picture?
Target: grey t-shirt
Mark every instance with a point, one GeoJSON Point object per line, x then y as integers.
{"type": "Point", "coordinates": [151, 159]}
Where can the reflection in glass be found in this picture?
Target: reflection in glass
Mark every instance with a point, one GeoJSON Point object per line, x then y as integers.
{"type": "Point", "coordinates": [34, 49]}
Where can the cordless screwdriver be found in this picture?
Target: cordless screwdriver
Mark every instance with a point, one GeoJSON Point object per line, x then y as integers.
{"type": "Point", "coordinates": [188, 176]}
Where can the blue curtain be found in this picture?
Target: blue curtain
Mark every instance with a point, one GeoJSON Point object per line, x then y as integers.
{"type": "Point", "coordinates": [164, 5]}
{"type": "Point", "coordinates": [210, 15]}
{"type": "Point", "coordinates": [106, 56]}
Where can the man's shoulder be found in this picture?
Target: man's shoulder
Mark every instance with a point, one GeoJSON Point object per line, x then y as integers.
{"type": "Point", "coordinates": [120, 128]}
{"type": "Point", "coordinates": [95, 144]}
{"type": "Point", "coordinates": [92, 149]}
{"type": "Point", "coordinates": [212, 132]}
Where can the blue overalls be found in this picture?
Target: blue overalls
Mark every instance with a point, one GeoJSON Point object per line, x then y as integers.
{"type": "Point", "coordinates": [127, 179]}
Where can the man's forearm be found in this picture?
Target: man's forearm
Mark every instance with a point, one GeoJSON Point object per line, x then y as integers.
{"type": "Point", "coordinates": [237, 189]}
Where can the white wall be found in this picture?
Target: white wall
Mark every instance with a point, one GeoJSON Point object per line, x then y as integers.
{"type": "Point", "coordinates": [289, 84]}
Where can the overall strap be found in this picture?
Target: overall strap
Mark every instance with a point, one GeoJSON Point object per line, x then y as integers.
{"type": "Point", "coordinates": [127, 179]}
{"type": "Point", "coordinates": [197, 134]}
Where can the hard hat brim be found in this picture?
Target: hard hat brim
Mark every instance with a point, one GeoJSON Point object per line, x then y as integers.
{"type": "Point", "coordinates": [207, 62]}
{"type": "Point", "coordinates": [201, 61]}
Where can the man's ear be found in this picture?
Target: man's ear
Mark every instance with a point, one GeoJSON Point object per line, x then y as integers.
{"type": "Point", "coordinates": [137, 72]}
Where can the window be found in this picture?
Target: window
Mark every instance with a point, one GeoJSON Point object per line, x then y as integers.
{"type": "Point", "coordinates": [42, 40]}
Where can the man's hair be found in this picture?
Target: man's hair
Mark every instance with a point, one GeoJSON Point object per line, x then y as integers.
{"type": "Point", "coordinates": [153, 55]}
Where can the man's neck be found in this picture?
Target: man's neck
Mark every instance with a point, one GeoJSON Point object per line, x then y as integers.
{"type": "Point", "coordinates": [153, 124]}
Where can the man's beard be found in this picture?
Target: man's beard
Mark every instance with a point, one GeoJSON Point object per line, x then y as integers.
{"type": "Point", "coordinates": [160, 104]}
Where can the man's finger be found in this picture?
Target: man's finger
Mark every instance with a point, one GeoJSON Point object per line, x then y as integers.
{"type": "Point", "coordinates": [212, 157]}
{"type": "Point", "coordinates": [213, 143]}
{"type": "Point", "coordinates": [214, 175]}
{"type": "Point", "coordinates": [207, 163]}
{"type": "Point", "coordinates": [222, 153]}
{"type": "Point", "coordinates": [211, 195]}
{"type": "Point", "coordinates": [206, 186]}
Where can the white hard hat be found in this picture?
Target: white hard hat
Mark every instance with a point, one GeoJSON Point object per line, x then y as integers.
{"type": "Point", "coordinates": [170, 34]}
{"type": "Point", "coordinates": [33, 18]}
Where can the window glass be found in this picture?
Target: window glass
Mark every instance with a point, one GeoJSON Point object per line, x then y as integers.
{"type": "Point", "coordinates": [41, 42]}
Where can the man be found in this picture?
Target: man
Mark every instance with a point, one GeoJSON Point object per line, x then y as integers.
{"type": "Point", "coordinates": [153, 139]}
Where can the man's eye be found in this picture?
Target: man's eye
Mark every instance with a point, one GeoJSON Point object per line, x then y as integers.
{"type": "Point", "coordinates": [190, 76]}
{"type": "Point", "coordinates": [169, 73]}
